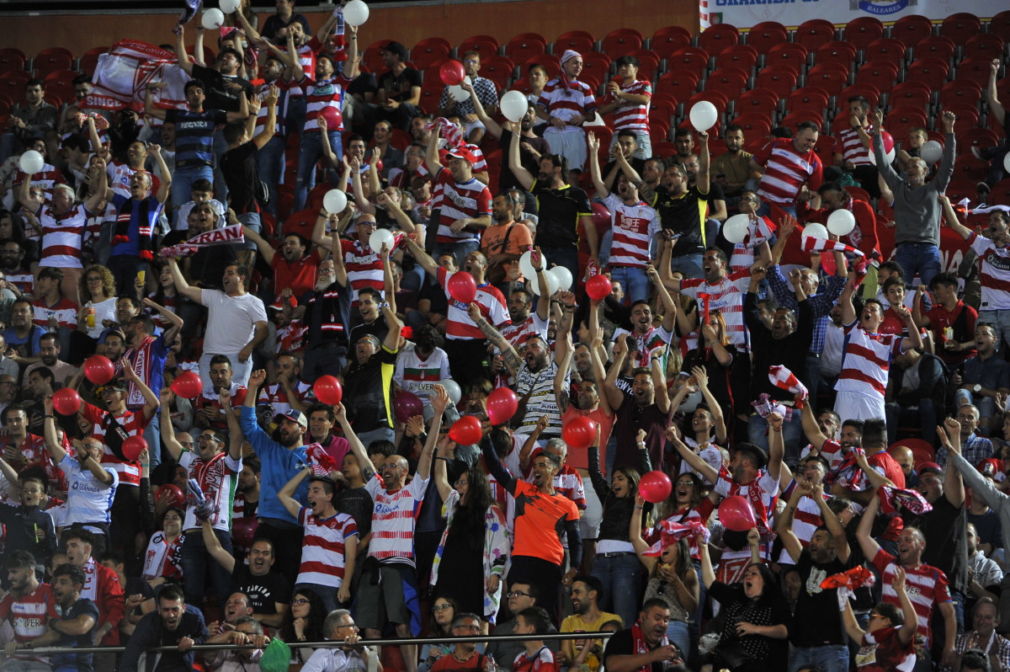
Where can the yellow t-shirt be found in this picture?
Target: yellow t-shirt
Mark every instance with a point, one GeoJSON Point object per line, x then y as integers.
{"type": "Point", "coordinates": [575, 623]}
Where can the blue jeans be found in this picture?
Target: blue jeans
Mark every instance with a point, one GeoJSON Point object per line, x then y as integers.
{"type": "Point", "coordinates": [197, 564]}
{"type": "Point", "coordinates": [687, 264]}
{"type": "Point", "coordinates": [182, 183]}
{"type": "Point", "coordinates": [621, 576]}
{"type": "Point", "coordinates": [833, 658]}
{"type": "Point", "coordinates": [270, 163]}
{"type": "Point", "coordinates": [634, 281]}
{"type": "Point", "coordinates": [152, 434]}
{"type": "Point", "coordinates": [792, 435]}
{"type": "Point", "coordinates": [564, 256]}
{"type": "Point", "coordinates": [923, 258]}
{"type": "Point", "coordinates": [310, 153]}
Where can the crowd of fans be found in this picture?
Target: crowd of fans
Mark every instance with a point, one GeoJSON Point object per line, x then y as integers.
{"type": "Point", "coordinates": [832, 424]}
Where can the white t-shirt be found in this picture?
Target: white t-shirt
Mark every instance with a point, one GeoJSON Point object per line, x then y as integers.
{"type": "Point", "coordinates": [104, 310]}
{"type": "Point", "coordinates": [88, 499]}
{"type": "Point", "coordinates": [230, 320]}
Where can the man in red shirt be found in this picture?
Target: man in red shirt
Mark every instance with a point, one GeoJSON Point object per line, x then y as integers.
{"type": "Point", "coordinates": [101, 586]}
{"type": "Point", "coordinates": [294, 266]}
{"type": "Point", "coordinates": [950, 319]}
{"type": "Point", "coordinates": [864, 235]}
{"type": "Point", "coordinates": [29, 606]}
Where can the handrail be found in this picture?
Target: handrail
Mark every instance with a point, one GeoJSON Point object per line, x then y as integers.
{"type": "Point", "coordinates": [51, 650]}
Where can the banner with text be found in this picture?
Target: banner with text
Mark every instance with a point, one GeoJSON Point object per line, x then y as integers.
{"type": "Point", "coordinates": [746, 13]}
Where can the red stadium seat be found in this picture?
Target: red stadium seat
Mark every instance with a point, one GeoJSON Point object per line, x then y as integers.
{"type": "Point", "coordinates": [959, 91]}
{"type": "Point", "coordinates": [871, 93]}
{"type": "Point", "coordinates": [778, 79]}
{"type": "Point", "coordinates": [835, 51]}
{"type": "Point", "coordinates": [962, 187]}
{"type": "Point", "coordinates": [429, 51]}
{"type": "Point", "coordinates": [729, 80]}
{"type": "Point", "coordinates": [808, 96]}
{"type": "Point", "coordinates": [664, 149]}
{"type": "Point", "coordinates": [885, 49]}
{"type": "Point", "coordinates": [794, 119]}
{"type": "Point", "coordinates": [815, 32]}
{"type": "Point", "coordinates": [765, 35]}
{"type": "Point", "coordinates": [401, 139]}
{"type": "Point", "coordinates": [499, 69]}
{"type": "Point", "coordinates": [719, 100]}
{"type": "Point", "coordinates": [910, 94]}
{"type": "Point", "coordinates": [906, 117]}
{"type": "Point", "coordinates": [967, 115]}
{"type": "Point", "coordinates": [862, 31]}
{"type": "Point", "coordinates": [880, 75]}
{"type": "Point", "coordinates": [983, 137]}
{"type": "Point", "coordinates": [717, 37]}
{"type": "Point", "coordinates": [681, 85]}
{"type": "Point", "coordinates": [12, 60]}
{"type": "Point", "coordinates": [754, 126]}
{"type": "Point", "coordinates": [430, 95]}
{"type": "Point", "coordinates": [372, 57]}
{"type": "Point", "coordinates": [648, 64]}
{"type": "Point", "coordinates": [787, 54]}
{"type": "Point", "coordinates": [911, 29]}
{"type": "Point", "coordinates": [960, 27]}
{"type": "Point", "coordinates": [928, 70]}
{"type": "Point", "coordinates": [579, 40]}
{"type": "Point", "coordinates": [761, 101]}
{"type": "Point", "coordinates": [937, 46]}
{"type": "Point", "coordinates": [548, 61]}
{"type": "Point", "coordinates": [12, 85]}
{"type": "Point", "coordinates": [1000, 192]}
{"type": "Point", "coordinates": [51, 59]}
{"type": "Point", "coordinates": [742, 56]}
{"type": "Point", "coordinates": [825, 148]}
{"type": "Point", "coordinates": [597, 65]}
{"type": "Point", "coordinates": [525, 46]}
{"type": "Point", "coordinates": [667, 40]}
{"type": "Point", "coordinates": [485, 45]}
{"type": "Point", "coordinates": [826, 77]}
{"type": "Point", "coordinates": [984, 46]}
{"type": "Point", "coordinates": [689, 59]}
{"type": "Point", "coordinates": [659, 123]}
{"type": "Point", "coordinates": [1000, 24]}
{"type": "Point", "coordinates": [621, 42]}
{"type": "Point", "coordinates": [974, 70]}
{"type": "Point", "coordinates": [89, 60]}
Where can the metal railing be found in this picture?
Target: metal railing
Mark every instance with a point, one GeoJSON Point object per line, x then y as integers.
{"type": "Point", "coordinates": [552, 636]}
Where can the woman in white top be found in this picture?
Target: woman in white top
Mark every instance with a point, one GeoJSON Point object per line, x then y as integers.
{"type": "Point", "coordinates": [98, 296]}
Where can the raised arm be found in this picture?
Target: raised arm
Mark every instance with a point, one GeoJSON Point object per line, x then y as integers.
{"type": "Point", "coordinates": [267, 133]}
{"type": "Point", "coordinates": [845, 300]}
{"type": "Point", "coordinates": [784, 523]}
{"type": "Point", "coordinates": [509, 354]}
{"type": "Point", "coordinates": [951, 217]}
{"type": "Point", "coordinates": [181, 286]}
{"type": "Point", "coordinates": [594, 166]}
{"type": "Point", "coordinates": [357, 448]}
{"type": "Point", "coordinates": [996, 108]}
{"type": "Point", "coordinates": [286, 494]}
{"type": "Point", "coordinates": [702, 180]}
{"type": "Point", "coordinates": [707, 471]}
{"type": "Point", "coordinates": [515, 164]}
{"type": "Point", "coordinates": [151, 401]}
{"type": "Point", "coordinates": [867, 543]}
{"type": "Point", "coordinates": [422, 257]}
{"type": "Point", "coordinates": [215, 549]}
{"type": "Point", "coordinates": [165, 184]}
{"type": "Point", "coordinates": [492, 126]}
{"type": "Point", "coordinates": [180, 50]}
{"type": "Point", "coordinates": [614, 395]}
{"type": "Point", "coordinates": [168, 439]}
{"type": "Point", "coordinates": [56, 451]}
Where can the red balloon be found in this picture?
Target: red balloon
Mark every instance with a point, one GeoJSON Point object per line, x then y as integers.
{"type": "Point", "coordinates": [99, 369]}
{"type": "Point", "coordinates": [462, 287]}
{"type": "Point", "coordinates": [598, 287]}
{"type": "Point", "coordinates": [173, 493]}
{"type": "Point", "coordinates": [66, 401]}
{"type": "Point", "coordinates": [451, 72]}
{"type": "Point", "coordinates": [133, 446]}
{"type": "Point", "coordinates": [502, 404]}
{"type": "Point", "coordinates": [655, 486]}
{"type": "Point", "coordinates": [328, 390]}
{"type": "Point", "coordinates": [406, 405]}
{"type": "Point", "coordinates": [332, 118]}
{"type": "Point", "coordinates": [187, 385]}
{"type": "Point", "coordinates": [579, 432]}
{"type": "Point", "coordinates": [736, 514]}
{"type": "Point", "coordinates": [466, 430]}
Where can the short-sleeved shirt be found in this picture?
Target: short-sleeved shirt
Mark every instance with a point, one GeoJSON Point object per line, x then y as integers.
{"type": "Point", "coordinates": [397, 87]}
{"type": "Point", "coordinates": [219, 95]}
{"type": "Point", "coordinates": [684, 214]}
{"type": "Point", "coordinates": [263, 591]}
{"type": "Point", "coordinates": [238, 166]}
{"type": "Point", "coordinates": [231, 320]}
{"type": "Point", "coordinates": [538, 519]}
{"type": "Point", "coordinates": [559, 211]}
{"type": "Point", "coordinates": [82, 662]}
{"type": "Point", "coordinates": [927, 587]}
{"type": "Point", "coordinates": [194, 136]}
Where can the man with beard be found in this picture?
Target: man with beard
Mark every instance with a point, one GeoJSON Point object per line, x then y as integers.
{"type": "Point", "coordinates": [466, 344]}
{"type": "Point", "coordinates": [23, 336]}
{"type": "Point", "coordinates": [835, 198]}
{"type": "Point", "coordinates": [26, 609]}
{"type": "Point", "coordinates": [479, 88]}
{"type": "Point", "coordinates": [24, 448]}
{"type": "Point", "coordinates": [289, 391]}
{"type": "Point", "coordinates": [294, 266]}
{"type": "Point", "coordinates": [282, 456]}
{"type": "Point", "coordinates": [101, 586]}
{"type": "Point", "coordinates": [586, 617]}
{"type": "Point", "coordinates": [682, 210]}
{"type": "Point", "coordinates": [331, 540]}
{"type": "Point", "coordinates": [790, 170]}
{"type": "Point", "coordinates": [871, 437]}
{"type": "Point", "coordinates": [12, 255]}
{"type": "Point", "coordinates": [49, 357]}
{"type": "Point", "coordinates": [369, 381]}
{"type": "Point", "coordinates": [147, 356]}
{"type": "Point", "coordinates": [464, 656]}
{"type": "Point", "coordinates": [268, 591]}
{"type": "Point", "coordinates": [419, 368]}
{"type": "Point", "coordinates": [236, 320]}
{"type": "Point", "coordinates": [72, 629]}
{"type": "Point", "coordinates": [816, 631]}
{"type": "Point", "coordinates": [204, 266]}
{"type": "Point", "coordinates": [983, 637]}
{"type": "Point", "coordinates": [216, 471]}
{"type": "Point", "coordinates": [504, 242]}
{"type": "Point", "coordinates": [646, 408]}
{"type": "Point", "coordinates": [731, 169]}
{"type": "Point", "coordinates": [208, 410]}
{"type": "Point", "coordinates": [528, 323]}
{"type": "Point", "coordinates": [644, 645]}
{"type": "Point", "coordinates": [725, 293]}
{"type": "Point", "coordinates": [174, 623]}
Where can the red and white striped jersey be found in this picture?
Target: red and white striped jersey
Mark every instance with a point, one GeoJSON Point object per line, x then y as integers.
{"type": "Point", "coordinates": [29, 614]}
{"type": "Point", "coordinates": [700, 513]}
{"type": "Point", "coordinates": [633, 116]}
{"type": "Point", "coordinates": [490, 301]}
{"type": "Point", "coordinates": [323, 547]}
{"type": "Point", "coordinates": [364, 267]}
{"type": "Point", "coordinates": [33, 450]}
{"type": "Point", "coordinates": [320, 95]}
{"type": "Point", "coordinates": [726, 296]}
{"type": "Point", "coordinates": [564, 102]}
{"type": "Point", "coordinates": [926, 588]}
{"type": "Point", "coordinates": [541, 661]}
{"type": "Point", "coordinates": [761, 230]}
{"type": "Point", "coordinates": [633, 226]}
{"type": "Point", "coordinates": [65, 312]}
{"type": "Point", "coordinates": [470, 199]}
{"type": "Point", "coordinates": [133, 424]}
{"type": "Point", "coordinates": [261, 116]}
{"type": "Point", "coordinates": [853, 149]}
{"type": "Point", "coordinates": [218, 478]}
{"type": "Point", "coordinates": [761, 493]}
{"type": "Point", "coordinates": [291, 337]}
{"type": "Point", "coordinates": [866, 360]}
{"type": "Point", "coordinates": [518, 333]}
{"type": "Point", "coordinates": [786, 170]}
{"type": "Point", "coordinates": [276, 396]}
{"type": "Point", "coordinates": [62, 236]}
{"type": "Point", "coordinates": [307, 54]}
{"type": "Point", "coordinates": [393, 518]}
{"type": "Point", "coordinates": [655, 339]}
{"type": "Point", "coordinates": [25, 282]}
{"type": "Point", "coordinates": [994, 272]}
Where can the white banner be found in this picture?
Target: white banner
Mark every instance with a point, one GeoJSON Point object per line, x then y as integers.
{"type": "Point", "coordinates": [746, 13]}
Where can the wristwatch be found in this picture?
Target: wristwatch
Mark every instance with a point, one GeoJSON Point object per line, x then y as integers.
{"type": "Point", "coordinates": [976, 388]}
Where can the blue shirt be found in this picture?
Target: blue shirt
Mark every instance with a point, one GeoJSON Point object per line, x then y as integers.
{"type": "Point", "coordinates": [28, 346]}
{"type": "Point", "coordinates": [194, 136]}
{"type": "Point", "coordinates": [278, 466]}
{"type": "Point", "coordinates": [131, 248]}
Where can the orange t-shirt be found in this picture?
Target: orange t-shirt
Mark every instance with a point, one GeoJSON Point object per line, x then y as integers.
{"type": "Point", "coordinates": [538, 519]}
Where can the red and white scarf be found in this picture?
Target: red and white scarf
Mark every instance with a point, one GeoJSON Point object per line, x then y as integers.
{"type": "Point", "coordinates": [784, 379]}
{"type": "Point", "coordinates": [641, 647]}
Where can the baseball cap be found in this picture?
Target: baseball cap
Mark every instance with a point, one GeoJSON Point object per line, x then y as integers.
{"type": "Point", "coordinates": [460, 153]}
{"type": "Point", "coordinates": [295, 416]}
{"type": "Point", "coordinates": [930, 468]}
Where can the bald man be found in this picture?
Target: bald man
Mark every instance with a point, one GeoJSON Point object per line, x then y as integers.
{"type": "Point", "coordinates": [906, 460]}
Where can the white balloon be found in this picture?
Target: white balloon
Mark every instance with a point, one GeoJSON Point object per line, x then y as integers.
{"type": "Point", "coordinates": [229, 6]}
{"type": "Point", "coordinates": [552, 284]}
{"type": "Point", "coordinates": [31, 162]}
{"type": "Point", "coordinates": [355, 13]}
{"type": "Point", "coordinates": [815, 230]}
{"type": "Point", "coordinates": [736, 227]}
{"type": "Point", "coordinates": [931, 151]}
{"type": "Point", "coordinates": [514, 105]}
{"type": "Point", "coordinates": [703, 115]}
{"type": "Point", "coordinates": [452, 389]}
{"type": "Point", "coordinates": [1006, 162]}
{"type": "Point", "coordinates": [563, 276]}
{"type": "Point", "coordinates": [526, 264]}
{"type": "Point", "coordinates": [335, 201]}
{"type": "Point", "coordinates": [379, 238]}
{"type": "Point", "coordinates": [458, 93]}
{"type": "Point", "coordinates": [841, 222]}
{"type": "Point", "coordinates": [212, 19]}
{"type": "Point", "coordinates": [691, 402]}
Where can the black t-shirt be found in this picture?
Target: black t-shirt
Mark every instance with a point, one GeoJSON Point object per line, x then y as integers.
{"type": "Point", "coordinates": [363, 84]}
{"type": "Point", "coordinates": [366, 390]}
{"type": "Point", "coordinates": [357, 503]}
{"type": "Point", "coordinates": [239, 168]}
{"type": "Point", "coordinates": [942, 529]}
{"type": "Point", "coordinates": [263, 591]}
{"type": "Point", "coordinates": [560, 210]}
{"type": "Point", "coordinates": [682, 214]}
{"type": "Point", "coordinates": [817, 621]}
{"type": "Point", "coordinates": [83, 662]}
{"type": "Point", "coordinates": [397, 87]}
{"type": "Point", "coordinates": [220, 96]}
{"type": "Point", "coordinates": [621, 643]}
{"type": "Point", "coordinates": [507, 179]}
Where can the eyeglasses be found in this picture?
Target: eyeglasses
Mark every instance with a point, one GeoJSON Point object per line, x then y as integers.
{"type": "Point", "coordinates": [441, 607]}
{"type": "Point", "coordinates": [517, 593]}
{"type": "Point", "coordinates": [300, 600]}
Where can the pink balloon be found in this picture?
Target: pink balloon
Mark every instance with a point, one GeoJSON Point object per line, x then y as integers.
{"type": "Point", "coordinates": [655, 486]}
{"type": "Point", "coordinates": [736, 514]}
{"type": "Point", "coordinates": [406, 405]}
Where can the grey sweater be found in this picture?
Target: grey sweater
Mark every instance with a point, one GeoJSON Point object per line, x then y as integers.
{"type": "Point", "coordinates": [917, 213]}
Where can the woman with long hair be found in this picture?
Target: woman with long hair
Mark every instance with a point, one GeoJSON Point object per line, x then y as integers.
{"type": "Point", "coordinates": [754, 616]}
{"type": "Point", "coordinates": [163, 559]}
{"type": "Point", "coordinates": [303, 623]}
{"type": "Point", "coordinates": [728, 372]}
{"type": "Point", "coordinates": [443, 613]}
{"type": "Point", "coordinates": [706, 424]}
{"type": "Point", "coordinates": [614, 563]}
{"type": "Point", "coordinates": [98, 301]}
{"type": "Point", "coordinates": [672, 577]}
